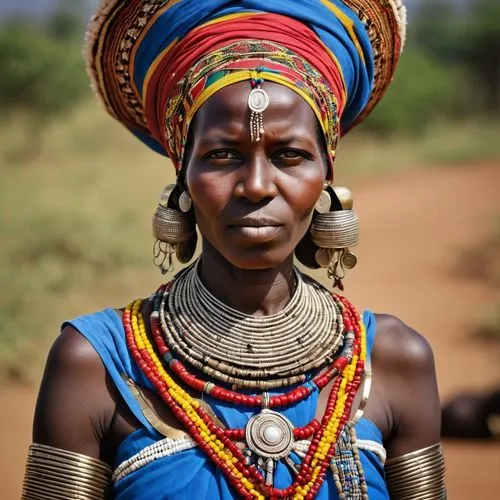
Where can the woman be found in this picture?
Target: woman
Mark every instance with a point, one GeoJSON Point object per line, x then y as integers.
{"type": "Point", "coordinates": [242, 377]}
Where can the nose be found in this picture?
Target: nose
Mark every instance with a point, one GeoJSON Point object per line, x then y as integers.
{"type": "Point", "coordinates": [257, 181]}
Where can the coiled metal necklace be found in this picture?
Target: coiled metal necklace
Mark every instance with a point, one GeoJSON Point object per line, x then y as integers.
{"type": "Point", "coordinates": [246, 351]}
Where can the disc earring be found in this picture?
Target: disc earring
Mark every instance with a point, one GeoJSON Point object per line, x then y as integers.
{"type": "Point", "coordinates": [174, 229]}
{"type": "Point", "coordinates": [334, 232]}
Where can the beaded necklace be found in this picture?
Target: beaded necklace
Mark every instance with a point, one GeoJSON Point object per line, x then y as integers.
{"type": "Point", "coordinates": [218, 392]}
{"type": "Point", "coordinates": [243, 474]}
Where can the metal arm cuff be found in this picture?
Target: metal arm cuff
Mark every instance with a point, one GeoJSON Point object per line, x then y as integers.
{"type": "Point", "coordinates": [55, 474]}
{"type": "Point", "coordinates": [418, 475]}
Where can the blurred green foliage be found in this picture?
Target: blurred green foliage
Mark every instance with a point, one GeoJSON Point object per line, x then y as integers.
{"type": "Point", "coordinates": [468, 38]}
{"type": "Point", "coordinates": [423, 92]}
{"type": "Point", "coordinates": [44, 72]}
{"type": "Point", "coordinates": [450, 69]}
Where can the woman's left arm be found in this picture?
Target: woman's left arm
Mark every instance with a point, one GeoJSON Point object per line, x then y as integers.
{"type": "Point", "coordinates": [404, 363]}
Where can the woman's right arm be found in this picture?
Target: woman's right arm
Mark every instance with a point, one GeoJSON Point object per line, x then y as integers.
{"type": "Point", "coordinates": [74, 412]}
{"type": "Point", "coordinates": [74, 408]}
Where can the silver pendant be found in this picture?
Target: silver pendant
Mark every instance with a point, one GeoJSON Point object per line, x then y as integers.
{"type": "Point", "coordinates": [349, 260]}
{"type": "Point", "coordinates": [270, 435]}
{"type": "Point", "coordinates": [258, 100]}
{"type": "Point", "coordinates": [324, 202]}
{"type": "Point", "coordinates": [324, 256]}
{"type": "Point", "coordinates": [185, 202]}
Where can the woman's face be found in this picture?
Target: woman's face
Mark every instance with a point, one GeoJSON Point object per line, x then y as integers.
{"type": "Point", "coordinates": [254, 200]}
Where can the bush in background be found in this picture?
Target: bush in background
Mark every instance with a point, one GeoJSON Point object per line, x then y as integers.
{"type": "Point", "coordinates": [467, 36]}
{"type": "Point", "coordinates": [44, 71]}
{"type": "Point", "coordinates": [423, 92]}
{"type": "Point", "coordinates": [450, 70]}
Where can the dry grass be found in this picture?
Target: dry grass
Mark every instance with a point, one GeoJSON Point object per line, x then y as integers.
{"type": "Point", "coordinates": [74, 225]}
{"type": "Point", "coordinates": [75, 219]}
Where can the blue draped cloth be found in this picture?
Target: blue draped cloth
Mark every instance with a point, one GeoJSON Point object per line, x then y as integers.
{"type": "Point", "coordinates": [190, 474]}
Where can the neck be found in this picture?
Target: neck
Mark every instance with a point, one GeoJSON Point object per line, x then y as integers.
{"type": "Point", "coordinates": [257, 292]}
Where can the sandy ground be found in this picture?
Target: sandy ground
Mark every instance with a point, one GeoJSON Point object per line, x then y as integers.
{"type": "Point", "coordinates": [413, 227]}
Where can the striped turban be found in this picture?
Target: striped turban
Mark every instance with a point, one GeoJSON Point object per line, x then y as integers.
{"type": "Point", "coordinates": [153, 63]}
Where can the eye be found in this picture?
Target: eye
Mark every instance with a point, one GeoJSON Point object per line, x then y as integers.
{"type": "Point", "coordinates": [291, 157]}
{"type": "Point", "coordinates": [222, 157]}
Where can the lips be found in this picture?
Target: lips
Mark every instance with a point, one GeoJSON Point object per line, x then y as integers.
{"type": "Point", "coordinates": [259, 229]}
{"type": "Point", "coordinates": [255, 222]}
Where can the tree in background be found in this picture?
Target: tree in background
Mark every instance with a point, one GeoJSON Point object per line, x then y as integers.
{"type": "Point", "coordinates": [423, 92]}
{"type": "Point", "coordinates": [44, 70]}
{"type": "Point", "coordinates": [450, 69]}
{"type": "Point", "coordinates": [469, 38]}
{"type": "Point", "coordinates": [480, 49]}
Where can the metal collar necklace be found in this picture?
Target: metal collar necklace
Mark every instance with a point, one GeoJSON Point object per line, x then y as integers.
{"type": "Point", "coordinates": [246, 351]}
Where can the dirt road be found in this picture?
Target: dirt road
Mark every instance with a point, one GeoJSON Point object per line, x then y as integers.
{"type": "Point", "coordinates": [413, 227]}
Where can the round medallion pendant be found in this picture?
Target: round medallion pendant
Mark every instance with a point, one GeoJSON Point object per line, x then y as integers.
{"type": "Point", "coordinates": [269, 435]}
{"type": "Point", "coordinates": [258, 100]}
{"type": "Point", "coordinates": [324, 256]}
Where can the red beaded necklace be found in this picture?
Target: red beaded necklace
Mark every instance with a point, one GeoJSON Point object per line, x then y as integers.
{"type": "Point", "coordinates": [217, 443]}
{"type": "Point", "coordinates": [198, 384]}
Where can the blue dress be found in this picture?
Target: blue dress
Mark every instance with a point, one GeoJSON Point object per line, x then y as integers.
{"type": "Point", "coordinates": [185, 472]}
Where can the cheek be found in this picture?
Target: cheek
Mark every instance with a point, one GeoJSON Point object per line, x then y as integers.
{"type": "Point", "coordinates": [210, 192]}
{"type": "Point", "coordinates": [303, 193]}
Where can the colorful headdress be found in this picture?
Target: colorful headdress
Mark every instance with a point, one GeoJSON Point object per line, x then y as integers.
{"type": "Point", "coordinates": [153, 63]}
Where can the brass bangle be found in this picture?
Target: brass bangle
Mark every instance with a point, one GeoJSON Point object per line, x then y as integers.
{"type": "Point", "coordinates": [55, 474]}
{"type": "Point", "coordinates": [413, 475]}
{"type": "Point", "coordinates": [71, 458]}
{"type": "Point", "coordinates": [418, 475]}
{"type": "Point", "coordinates": [416, 482]}
{"type": "Point", "coordinates": [66, 472]}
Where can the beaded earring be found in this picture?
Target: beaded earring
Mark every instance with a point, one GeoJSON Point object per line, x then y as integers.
{"type": "Point", "coordinates": [334, 231]}
{"type": "Point", "coordinates": [174, 228]}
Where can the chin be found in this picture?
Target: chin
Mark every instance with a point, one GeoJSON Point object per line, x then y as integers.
{"type": "Point", "coordinates": [257, 260]}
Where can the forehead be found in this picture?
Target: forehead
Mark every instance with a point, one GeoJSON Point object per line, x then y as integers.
{"type": "Point", "coordinates": [228, 108]}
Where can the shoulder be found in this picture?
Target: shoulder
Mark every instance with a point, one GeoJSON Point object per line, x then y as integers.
{"type": "Point", "coordinates": [405, 385]}
{"type": "Point", "coordinates": [73, 353]}
{"type": "Point", "coordinates": [399, 347]}
{"type": "Point", "coordinates": [75, 403]}
{"type": "Point", "coordinates": [81, 344]}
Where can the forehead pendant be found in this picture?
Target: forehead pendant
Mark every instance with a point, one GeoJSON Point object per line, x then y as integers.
{"type": "Point", "coordinates": [258, 101]}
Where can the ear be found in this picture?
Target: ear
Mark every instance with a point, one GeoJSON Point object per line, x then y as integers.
{"type": "Point", "coordinates": [305, 252]}
{"type": "Point", "coordinates": [181, 176]}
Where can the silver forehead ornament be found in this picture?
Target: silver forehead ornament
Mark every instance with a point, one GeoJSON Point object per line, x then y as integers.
{"type": "Point", "coordinates": [258, 102]}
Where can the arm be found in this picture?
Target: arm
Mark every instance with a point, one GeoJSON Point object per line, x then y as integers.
{"type": "Point", "coordinates": [74, 408]}
{"type": "Point", "coordinates": [406, 383]}
{"type": "Point", "coordinates": [74, 412]}
{"type": "Point", "coordinates": [403, 361]}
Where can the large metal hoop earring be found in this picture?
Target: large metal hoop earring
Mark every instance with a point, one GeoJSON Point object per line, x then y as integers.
{"type": "Point", "coordinates": [334, 231]}
{"type": "Point", "coordinates": [174, 229]}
